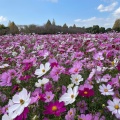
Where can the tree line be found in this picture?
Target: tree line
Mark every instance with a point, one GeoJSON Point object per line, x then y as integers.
{"type": "Point", "coordinates": [52, 28]}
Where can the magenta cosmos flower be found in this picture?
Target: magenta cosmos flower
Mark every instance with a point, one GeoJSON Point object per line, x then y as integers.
{"type": "Point", "coordinates": [118, 66]}
{"type": "Point", "coordinates": [86, 90]}
{"type": "Point", "coordinates": [55, 108]}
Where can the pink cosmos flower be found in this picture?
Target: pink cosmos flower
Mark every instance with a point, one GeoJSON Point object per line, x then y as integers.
{"type": "Point", "coordinates": [85, 117]}
{"type": "Point", "coordinates": [56, 71]}
{"type": "Point", "coordinates": [82, 106]}
{"type": "Point", "coordinates": [25, 78]}
{"type": "Point", "coordinates": [48, 96]}
{"type": "Point", "coordinates": [12, 72]}
{"type": "Point", "coordinates": [53, 62]}
{"type": "Point", "coordinates": [115, 81]}
{"type": "Point", "coordinates": [70, 114]}
{"type": "Point", "coordinates": [106, 78]}
{"type": "Point", "coordinates": [55, 108]}
{"type": "Point", "coordinates": [5, 79]}
{"type": "Point", "coordinates": [77, 67]}
{"type": "Point", "coordinates": [48, 86]}
{"type": "Point", "coordinates": [98, 56]}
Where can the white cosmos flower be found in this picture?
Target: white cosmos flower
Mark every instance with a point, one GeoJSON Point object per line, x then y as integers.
{"type": "Point", "coordinates": [76, 79]}
{"type": "Point", "coordinates": [70, 96]}
{"type": "Point", "coordinates": [70, 85]}
{"type": "Point", "coordinates": [41, 82]}
{"type": "Point", "coordinates": [106, 90]}
{"type": "Point", "coordinates": [6, 117]}
{"type": "Point", "coordinates": [4, 66]}
{"type": "Point", "coordinates": [114, 106]}
{"type": "Point", "coordinates": [20, 101]}
{"type": "Point", "coordinates": [14, 53]}
{"type": "Point", "coordinates": [43, 69]}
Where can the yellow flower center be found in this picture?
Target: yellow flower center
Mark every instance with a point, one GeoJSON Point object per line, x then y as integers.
{"type": "Point", "coordinates": [48, 97]}
{"type": "Point", "coordinates": [72, 96]}
{"type": "Point", "coordinates": [22, 101]}
{"type": "Point", "coordinates": [70, 113]}
{"type": "Point", "coordinates": [112, 63]}
{"type": "Point", "coordinates": [98, 58]}
{"type": "Point", "coordinates": [43, 70]}
{"type": "Point", "coordinates": [54, 108]}
{"type": "Point", "coordinates": [116, 107]}
{"type": "Point", "coordinates": [105, 90]}
{"type": "Point", "coordinates": [76, 79]}
{"type": "Point", "coordinates": [85, 92]}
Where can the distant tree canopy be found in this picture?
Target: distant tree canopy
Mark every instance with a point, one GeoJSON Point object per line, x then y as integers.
{"type": "Point", "coordinates": [13, 28]}
{"type": "Point", "coordinates": [51, 28]}
{"type": "Point", "coordinates": [116, 25]}
{"type": "Point", "coordinates": [3, 30]}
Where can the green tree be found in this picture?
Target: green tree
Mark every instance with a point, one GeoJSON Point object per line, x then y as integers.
{"type": "Point", "coordinates": [116, 25]}
{"type": "Point", "coordinates": [101, 29]}
{"type": "Point", "coordinates": [2, 26]}
{"type": "Point", "coordinates": [65, 26]}
{"type": "Point", "coordinates": [53, 22]}
{"type": "Point", "coordinates": [95, 29]}
{"type": "Point", "coordinates": [108, 30]}
{"type": "Point", "coordinates": [74, 26]}
{"type": "Point", "coordinates": [13, 28]}
{"type": "Point", "coordinates": [48, 24]}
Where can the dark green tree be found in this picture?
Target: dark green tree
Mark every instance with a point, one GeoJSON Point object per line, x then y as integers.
{"type": "Point", "coordinates": [13, 28]}
{"type": "Point", "coordinates": [116, 25]}
{"type": "Point", "coordinates": [95, 29]}
{"type": "Point", "coordinates": [101, 29]}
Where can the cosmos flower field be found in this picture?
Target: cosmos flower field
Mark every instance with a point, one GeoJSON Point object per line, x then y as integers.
{"type": "Point", "coordinates": [60, 77]}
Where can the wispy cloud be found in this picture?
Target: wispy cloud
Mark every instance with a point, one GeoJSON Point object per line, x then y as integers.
{"type": "Point", "coordinates": [102, 22]}
{"type": "Point", "coordinates": [3, 19]}
{"type": "Point", "coordinates": [116, 13]}
{"type": "Point", "coordinates": [85, 20]}
{"type": "Point", "coordinates": [108, 8]}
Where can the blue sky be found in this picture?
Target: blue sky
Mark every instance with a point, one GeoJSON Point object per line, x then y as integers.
{"type": "Point", "coordinates": [80, 12]}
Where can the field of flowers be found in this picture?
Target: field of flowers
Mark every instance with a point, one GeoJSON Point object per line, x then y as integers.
{"type": "Point", "coordinates": [60, 77]}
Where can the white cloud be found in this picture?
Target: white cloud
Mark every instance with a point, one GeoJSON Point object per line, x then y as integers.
{"type": "Point", "coordinates": [109, 8]}
{"type": "Point", "coordinates": [102, 22]}
{"type": "Point", "coordinates": [116, 13]}
{"type": "Point", "coordinates": [3, 19]}
{"type": "Point", "coordinates": [77, 20]}
{"type": "Point", "coordinates": [85, 20]}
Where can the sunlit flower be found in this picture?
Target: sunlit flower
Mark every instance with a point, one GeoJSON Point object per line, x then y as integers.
{"type": "Point", "coordinates": [4, 66]}
{"type": "Point", "coordinates": [43, 69]}
{"type": "Point", "coordinates": [70, 96]}
{"type": "Point", "coordinates": [20, 101]}
{"type": "Point", "coordinates": [76, 78]}
{"type": "Point", "coordinates": [114, 106]}
{"type": "Point", "coordinates": [106, 90]}
{"type": "Point", "coordinates": [6, 117]}
{"type": "Point", "coordinates": [41, 82]}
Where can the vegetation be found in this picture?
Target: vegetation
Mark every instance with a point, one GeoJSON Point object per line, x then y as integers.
{"type": "Point", "coordinates": [51, 28]}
